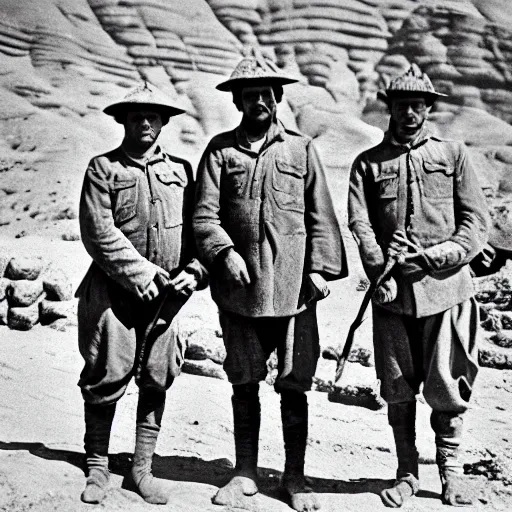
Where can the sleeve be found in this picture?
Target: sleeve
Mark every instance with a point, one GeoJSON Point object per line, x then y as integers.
{"type": "Point", "coordinates": [471, 214]}
{"type": "Point", "coordinates": [193, 266]}
{"type": "Point", "coordinates": [104, 242]}
{"type": "Point", "coordinates": [325, 252]}
{"type": "Point", "coordinates": [210, 236]}
{"type": "Point", "coordinates": [359, 221]}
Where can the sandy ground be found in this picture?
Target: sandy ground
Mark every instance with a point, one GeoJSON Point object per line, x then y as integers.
{"type": "Point", "coordinates": [350, 454]}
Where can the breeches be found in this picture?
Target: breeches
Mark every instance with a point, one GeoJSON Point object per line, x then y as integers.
{"type": "Point", "coordinates": [112, 329]}
{"type": "Point", "coordinates": [250, 341]}
{"type": "Point", "coordinates": [439, 351]}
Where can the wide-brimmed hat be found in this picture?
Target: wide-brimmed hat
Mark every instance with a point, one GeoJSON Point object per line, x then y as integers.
{"type": "Point", "coordinates": [145, 96]}
{"type": "Point", "coordinates": [255, 70]}
{"type": "Point", "coordinates": [414, 82]}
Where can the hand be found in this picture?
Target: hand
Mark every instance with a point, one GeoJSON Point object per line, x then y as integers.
{"type": "Point", "coordinates": [235, 269]}
{"type": "Point", "coordinates": [156, 286]}
{"type": "Point", "coordinates": [386, 292]}
{"type": "Point", "coordinates": [315, 288]}
{"type": "Point", "coordinates": [184, 283]}
{"type": "Point", "coordinates": [399, 246]}
{"type": "Point", "coordinates": [151, 292]}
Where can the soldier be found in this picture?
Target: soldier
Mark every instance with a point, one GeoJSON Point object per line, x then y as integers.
{"type": "Point", "coordinates": [415, 198]}
{"type": "Point", "coordinates": [135, 221]}
{"type": "Point", "coordinates": [266, 229]}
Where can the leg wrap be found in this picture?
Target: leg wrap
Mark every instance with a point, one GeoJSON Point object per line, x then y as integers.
{"type": "Point", "coordinates": [98, 423]}
{"type": "Point", "coordinates": [246, 422]}
{"type": "Point", "coordinates": [448, 429]}
{"type": "Point", "coordinates": [294, 415]}
{"type": "Point", "coordinates": [150, 410]}
{"type": "Point", "coordinates": [402, 418]}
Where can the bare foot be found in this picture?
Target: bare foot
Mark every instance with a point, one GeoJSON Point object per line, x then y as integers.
{"type": "Point", "coordinates": [301, 496]}
{"type": "Point", "coordinates": [233, 494]}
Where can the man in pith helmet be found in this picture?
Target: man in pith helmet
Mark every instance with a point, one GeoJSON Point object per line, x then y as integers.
{"type": "Point", "coordinates": [135, 220]}
{"type": "Point", "coordinates": [415, 198]}
{"type": "Point", "coordinates": [266, 229]}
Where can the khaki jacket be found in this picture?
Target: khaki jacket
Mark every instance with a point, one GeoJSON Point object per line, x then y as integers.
{"type": "Point", "coordinates": [272, 207]}
{"type": "Point", "coordinates": [134, 217]}
{"type": "Point", "coordinates": [430, 190]}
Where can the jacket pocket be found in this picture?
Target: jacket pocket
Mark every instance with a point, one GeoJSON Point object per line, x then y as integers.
{"type": "Point", "coordinates": [235, 178]}
{"type": "Point", "coordinates": [125, 192]}
{"type": "Point", "coordinates": [437, 180]}
{"type": "Point", "coordinates": [288, 185]}
{"type": "Point", "coordinates": [171, 191]}
{"type": "Point", "coordinates": [387, 185]}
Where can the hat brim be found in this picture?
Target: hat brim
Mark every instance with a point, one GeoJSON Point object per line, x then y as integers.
{"type": "Point", "coordinates": [122, 107]}
{"type": "Point", "coordinates": [228, 85]}
{"type": "Point", "coordinates": [430, 97]}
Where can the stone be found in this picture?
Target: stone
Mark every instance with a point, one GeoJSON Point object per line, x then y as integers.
{"type": "Point", "coordinates": [503, 338]}
{"type": "Point", "coordinates": [57, 285]}
{"type": "Point", "coordinates": [4, 261]}
{"type": "Point", "coordinates": [4, 285]}
{"type": "Point", "coordinates": [23, 319]}
{"type": "Point", "coordinates": [205, 368]}
{"type": "Point", "coordinates": [51, 310]}
{"type": "Point", "coordinates": [24, 267]}
{"type": "Point", "coordinates": [24, 292]}
{"type": "Point", "coordinates": [358, 386]}
{"type": "Point", "coordinates": [4, 311]}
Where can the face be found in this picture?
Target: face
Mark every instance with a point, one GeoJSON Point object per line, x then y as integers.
{"type": "Point", "coordinates": [258, 103]}
{"type": "Point", "coordinates": [142, 128]}
{"type": "Point", "coordinates": [408, 114]}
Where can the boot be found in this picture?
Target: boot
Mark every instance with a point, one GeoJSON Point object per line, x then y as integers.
{"type": "Point", "coordinates": [246, 423]}
{"type": "Point", "coordinates": [150, 409]}
{"type": "Point", "coordinates": [402, 418]}
{"type": "Point", "coordinates": [98, 423]}
{"type": "Point", "coordinates": [448, 429]}
{"type": "Point", "coordinates": [294, 415]}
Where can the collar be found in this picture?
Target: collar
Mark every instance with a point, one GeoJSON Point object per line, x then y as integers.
{"type": "Point", "coordinates": [152, 154]}
{"type": "Point", "coordinates": [275, 133]}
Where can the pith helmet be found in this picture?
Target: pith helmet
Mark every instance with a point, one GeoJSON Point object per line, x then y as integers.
{"type": "Point", "coordinates": [413, 81]}
{"type": "Point", "coordinates": [254, 70]}
{"type": "Point", "coordinates": [141, 97]}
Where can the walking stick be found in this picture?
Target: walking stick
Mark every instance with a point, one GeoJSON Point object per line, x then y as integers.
{"type": "Point", "coordinates": [342, 359]}
{"type": "Point", "coordinates": [178, 302]}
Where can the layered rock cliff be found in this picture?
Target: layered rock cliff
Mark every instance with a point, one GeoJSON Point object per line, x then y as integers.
{"type": "Point", "coordinates": [62, 61]}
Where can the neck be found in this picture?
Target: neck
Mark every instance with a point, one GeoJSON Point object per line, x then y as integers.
{"type": "Point", "coordinates": [138, 151]}
{"type": "Point", "coordinates": [255, 131]}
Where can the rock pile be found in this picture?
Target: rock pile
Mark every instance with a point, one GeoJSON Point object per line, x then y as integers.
{"type": "Point", "coordinates": [32, 291]}
{"type": "Point", "coordinates": [494, 294]}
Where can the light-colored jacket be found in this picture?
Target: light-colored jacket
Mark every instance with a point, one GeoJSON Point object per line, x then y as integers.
{"type": "Point", "coordinates": [272, 207]}
{"type": "Point", "coordinates": [134, 216]}
{"type": "Point", "coordinates": [430, 190]}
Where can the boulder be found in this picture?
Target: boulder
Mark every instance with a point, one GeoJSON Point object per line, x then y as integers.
{"type": "Point", "coordinates": [205, 368]}
{"type": "Point", "coordinates": [24, 267]}
{"type": "Point", "coordinates": [57, 285]}
{"type": "Point", "coordinates": [4, 311]}
{"type": "Point", "coordinates": [51, 310]}
{"type": "Point", "coordinates": [4, 261]}
{"type": "Point", "coordinates": [204, 343]}
{"type": "Point", "coordinates": [4, 285]}
{"type": "Point", "coordinates": [24, 292]}
{"type": "Point", "coordinates": [23, 319]}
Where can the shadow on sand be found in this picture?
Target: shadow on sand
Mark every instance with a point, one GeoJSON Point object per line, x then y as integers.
{"type": "Point", "coordinates": [213, 472]}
